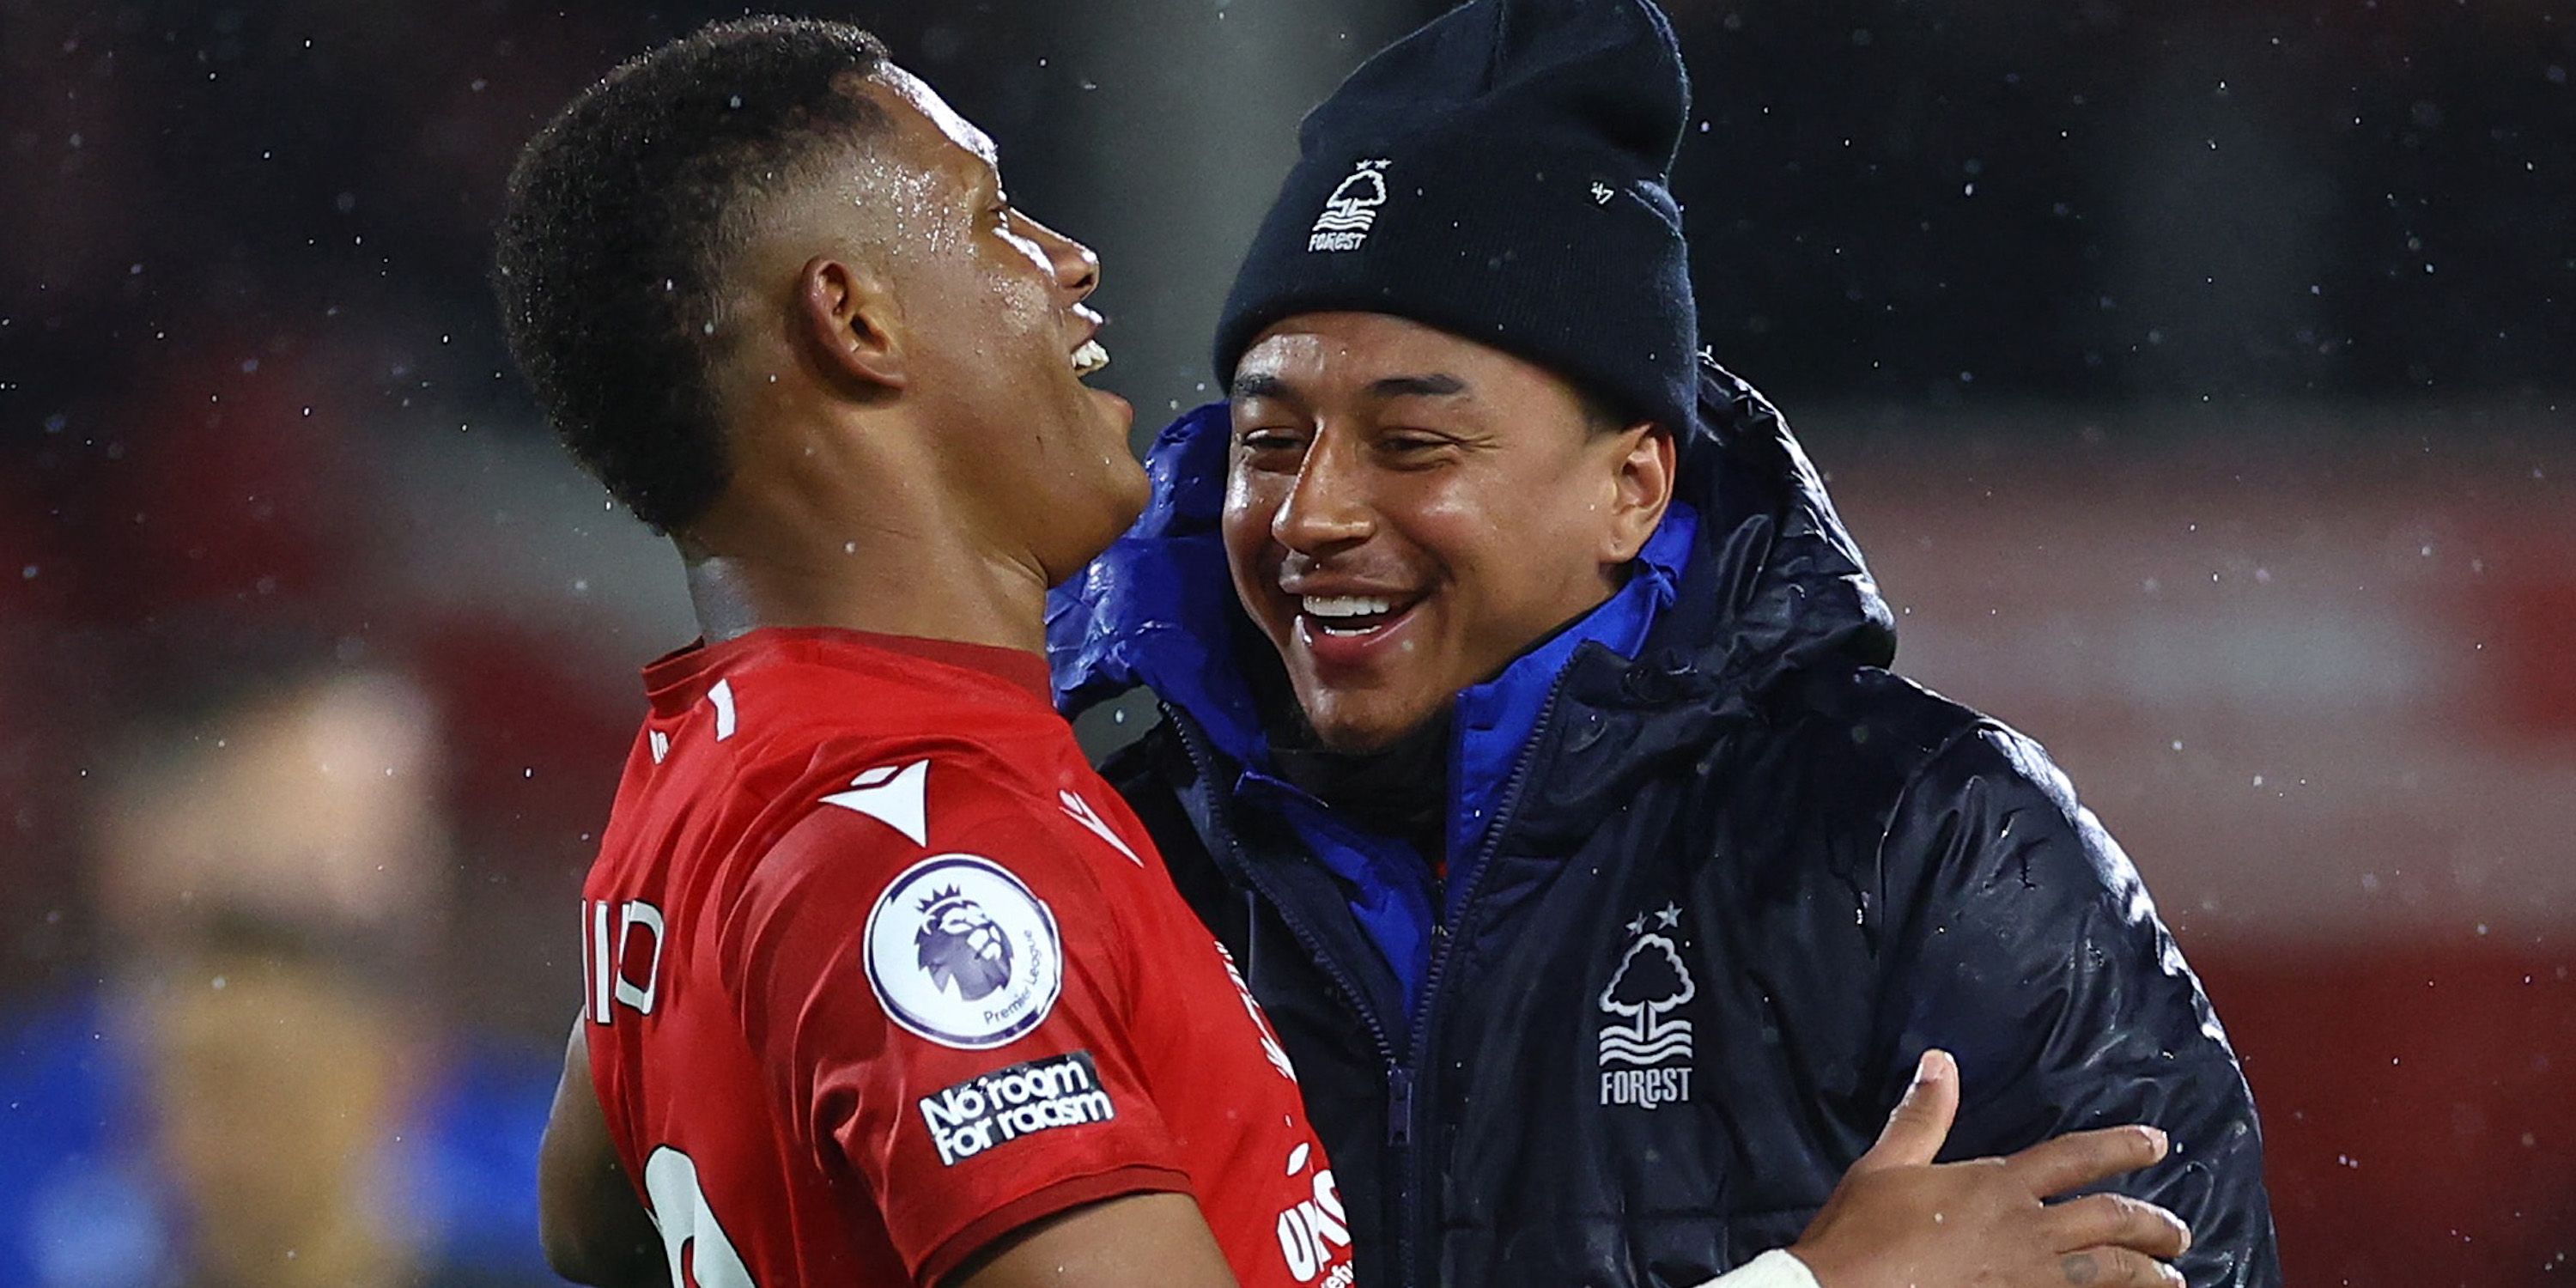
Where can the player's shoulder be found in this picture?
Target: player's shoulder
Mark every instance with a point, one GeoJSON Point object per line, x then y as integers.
{"type": "Point", "coordinates": [815, 722]}
{"type": "Point", "coordinates": [946, 861]}
{"type": "Point", "coordinates": [838, 759]}
{"type": "Point", "coordinates": [935, 791]}
{"type": "Point", "coordinates": [890, 788]}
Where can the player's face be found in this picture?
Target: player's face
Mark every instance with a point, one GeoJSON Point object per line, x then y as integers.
{"type": "Point", "coordinates": [1406, 511]}
{"type": "Point", "coordinates": [994, 301]}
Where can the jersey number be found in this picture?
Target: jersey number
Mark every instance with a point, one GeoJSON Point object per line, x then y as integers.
{"type": "Point", "coordinates": [611, 947]}
{"type": "Point", "coordinates": [700, 1254]}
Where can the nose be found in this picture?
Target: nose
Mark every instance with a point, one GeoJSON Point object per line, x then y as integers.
{"type": "Point", "coordinates": [1327, 505]}
{"type": "Point", "coordinates": [1077, 269]}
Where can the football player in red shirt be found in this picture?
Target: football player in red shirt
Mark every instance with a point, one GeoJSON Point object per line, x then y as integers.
{"type": "Point", "coordinates": [881, 984]}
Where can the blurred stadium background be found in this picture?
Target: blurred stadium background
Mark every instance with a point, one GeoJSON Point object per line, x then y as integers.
{"type": "Point", "coordinates": [2200, 376]}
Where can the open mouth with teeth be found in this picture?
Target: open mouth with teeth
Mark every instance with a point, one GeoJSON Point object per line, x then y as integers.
{"type": "Point", "coordinates": [1351, 616]}
{"type": "Point", "coordinates": [1088, 358]}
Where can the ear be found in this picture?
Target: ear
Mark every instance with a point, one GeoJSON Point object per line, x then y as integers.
{"type": "Point", "coordinates": [847, 319]}
{"type": "Point", "coordinates": [1641, 489]}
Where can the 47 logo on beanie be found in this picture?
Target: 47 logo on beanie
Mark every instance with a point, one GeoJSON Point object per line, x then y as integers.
{"type": "Point", "coordinates": [1351, 209]}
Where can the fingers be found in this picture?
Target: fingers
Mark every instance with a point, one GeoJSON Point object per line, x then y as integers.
{"type": "Point", "coordinates": [2117, 1268]}
{"type": "Point", "coordinates": [2116, 1220]}
{"type": "Point", "coordinates": [1921, 1121]}
{"type": "Point", "coordinates": [2078, 1159]}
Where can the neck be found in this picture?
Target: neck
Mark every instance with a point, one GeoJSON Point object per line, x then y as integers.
{"type": "Point", "coordinates": [885, 591]}
{"type": "Point", "coordinates": [920, 574]}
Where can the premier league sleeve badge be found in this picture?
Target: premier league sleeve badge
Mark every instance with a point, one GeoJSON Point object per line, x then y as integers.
{"type": "Point", "coordinates": [961, 952]}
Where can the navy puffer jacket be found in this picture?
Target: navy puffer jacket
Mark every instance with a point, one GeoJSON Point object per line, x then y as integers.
{"type": "Point", "coordinates": [1729, 890]}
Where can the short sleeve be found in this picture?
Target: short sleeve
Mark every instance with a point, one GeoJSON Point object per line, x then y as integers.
{"type": "Point", "coordinates": [950, 1026]}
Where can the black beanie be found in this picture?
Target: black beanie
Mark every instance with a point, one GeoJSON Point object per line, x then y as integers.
{"type": "Point", "coordinates": [1502, 174]}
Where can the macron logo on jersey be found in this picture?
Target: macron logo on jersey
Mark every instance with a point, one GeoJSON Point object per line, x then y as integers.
{"type": "Point", "coordinates": [896, 796]}
{"type": "Point", "coordinates": [1080, 811]}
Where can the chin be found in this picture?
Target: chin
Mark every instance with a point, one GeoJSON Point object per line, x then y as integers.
{"type": "Point", "coordinates": [1350, 742]}
{"type": "Point", "coordinates": [1357, 733]}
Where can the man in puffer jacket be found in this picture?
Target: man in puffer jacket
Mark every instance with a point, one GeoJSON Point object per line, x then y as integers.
{"type": "Point", "coordinates": [1529, 740]}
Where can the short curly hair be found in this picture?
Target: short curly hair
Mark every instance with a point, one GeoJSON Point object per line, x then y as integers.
{"type": "Point", "coordinates": [621, 214]}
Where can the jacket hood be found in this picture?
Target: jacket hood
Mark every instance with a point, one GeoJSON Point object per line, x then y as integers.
{"type": "Point", "coordinates": [1775, 585]}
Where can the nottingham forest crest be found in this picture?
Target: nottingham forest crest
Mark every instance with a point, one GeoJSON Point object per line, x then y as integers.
{"type": "Point", "coordinates": [1646, 1052]}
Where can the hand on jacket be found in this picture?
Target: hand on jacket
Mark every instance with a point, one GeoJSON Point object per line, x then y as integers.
{"type": "Point", "coordinates": [1898, 1220]}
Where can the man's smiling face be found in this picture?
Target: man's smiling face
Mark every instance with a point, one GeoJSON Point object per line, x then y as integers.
{"type": "Point", "coordinates": [1407, 511]}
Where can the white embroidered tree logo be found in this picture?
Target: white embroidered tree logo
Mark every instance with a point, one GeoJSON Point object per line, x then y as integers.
{"type": "Point", "coordinates": [1351, 209]}
{"type": "Point", "coordinates": [1650, 982]}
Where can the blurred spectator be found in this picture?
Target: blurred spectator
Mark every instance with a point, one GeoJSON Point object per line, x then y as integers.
{"type": "Point", "coordinates": [256, 1092]}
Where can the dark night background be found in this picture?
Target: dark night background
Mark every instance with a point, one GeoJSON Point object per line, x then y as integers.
{"type": "Point", "coordinates": [2201, 377]}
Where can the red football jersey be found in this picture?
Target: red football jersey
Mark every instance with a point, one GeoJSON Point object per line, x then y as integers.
{"type": "Point", "coordinates": [877, 970]}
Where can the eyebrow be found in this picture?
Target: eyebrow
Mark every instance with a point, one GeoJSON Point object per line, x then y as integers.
{"type": "Point", "coordinates": [1259, 384]}
{"type": "Point", "coordinates": [1438, 384]}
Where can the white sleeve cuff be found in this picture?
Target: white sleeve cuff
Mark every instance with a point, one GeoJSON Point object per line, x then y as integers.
{"type": "Point", "coordinates": [1773, 1269]}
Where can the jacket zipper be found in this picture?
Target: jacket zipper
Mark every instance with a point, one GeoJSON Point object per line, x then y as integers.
{"type": "Point", "coordinates": [1418, 1166]}
{"type": "Point", "coordinates": [1399, 1078]}
{"type": "Point", "coordinates": [1399, 1105]}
